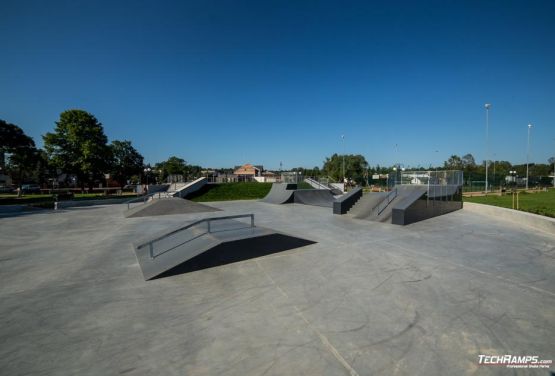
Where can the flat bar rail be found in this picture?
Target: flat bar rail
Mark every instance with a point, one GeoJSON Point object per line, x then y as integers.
{"type": "Point", "coordinates": [380, 207]}
{"type": "Point", "coordinates": [208, 222]}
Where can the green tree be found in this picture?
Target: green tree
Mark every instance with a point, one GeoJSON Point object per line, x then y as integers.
{"type": "Point", "coordinates": [468, 163]}
{"type": "Point", "coordinates": [355, 167]}
{"type": "Point", "coordinates": [453, 163]}
{"type": "Point", "coordinates": [126, 161]}
{"type": "Point", "coordinates": [172, 166]}
{"type": "Point", "coordinates": [24, 159]}
{"type": "Point", "coordinates": [78, 146]}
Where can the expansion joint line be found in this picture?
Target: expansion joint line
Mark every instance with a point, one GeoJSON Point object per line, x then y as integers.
{"type": "Point", "coordinates": [327, 344]}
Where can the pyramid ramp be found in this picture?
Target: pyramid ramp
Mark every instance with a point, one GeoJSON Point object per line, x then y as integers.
{"type": "Point", "coordinates": [167, 206]}
{"type": "Point", "coordinates": [165, 251]}
{"type": "Point", "coordinates": [280, 193]}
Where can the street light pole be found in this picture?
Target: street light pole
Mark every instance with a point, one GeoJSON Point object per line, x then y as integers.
{"type": "Point", "coordinates": [343, 144]}
{"type": "Point", "coordinates": [494, 160]}
{"type": "Point", "coordinates": [437, 151]}
{"type": "Point", "coordinates": [528, 155]}
{"type": "Point", "coordinates": [488, 106]}
{"type": "Point", "coordinates": [147, 171]}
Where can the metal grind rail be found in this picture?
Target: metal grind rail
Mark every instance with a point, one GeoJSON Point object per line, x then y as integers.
{"type": "Point", "coordinates": [316, 184]}
{"type": "Point", "coordinates": [380, 207]}
{"type": "Point", "coordinates": [209, 230]}
{"type": "Point", "coordinates": [144, 198]}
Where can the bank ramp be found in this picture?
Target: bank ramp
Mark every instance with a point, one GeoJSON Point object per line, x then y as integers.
{"type": "Point", "coordinates": [378, 206]}
{"type": "Point", "coordinates": [280, 193]}
{"type": "Point", "coordinates": [190, 187]}
{"type": "Point", "coordinates": [168, 250]}
{"type": "Point", "coordinates": [315, 197]}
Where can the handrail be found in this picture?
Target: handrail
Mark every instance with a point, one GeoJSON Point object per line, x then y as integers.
{"type": "Point", "coordinates": [387, 199]}
{"type": "Point", "coordinates": [204, 220]}
{"type": "Point", "coordinates": [321, 185]}
{"type": "Point", "coordinates": [143, 198]}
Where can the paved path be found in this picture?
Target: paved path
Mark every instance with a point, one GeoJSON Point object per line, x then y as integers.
{"type": "Point", "coordinates": [366, 299]}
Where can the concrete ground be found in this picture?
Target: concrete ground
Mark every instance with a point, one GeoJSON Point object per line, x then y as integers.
{"type": "Point", "coordinates": [366, 299]}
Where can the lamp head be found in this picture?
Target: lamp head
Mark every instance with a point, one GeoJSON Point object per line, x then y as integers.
{"type": "Point", "coordinates": [487, 106]}
{"type": "Point", "coordinates": [529, 126]}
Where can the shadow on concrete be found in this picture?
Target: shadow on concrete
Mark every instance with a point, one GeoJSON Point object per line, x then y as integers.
{"type": "Point", "coordinates": [239, 250]}
{"type": "Point", "coordinates": [23, 211]}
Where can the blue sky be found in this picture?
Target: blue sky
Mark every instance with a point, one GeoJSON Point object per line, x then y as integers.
{"type": "Point", "coordinates": [220, 83]}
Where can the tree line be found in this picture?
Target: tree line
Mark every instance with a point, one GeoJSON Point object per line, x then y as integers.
{"type": "Point", "coordinates": [499, 169]}
{"type": "Point", "coordinates": [78, 149]}
{"type": "Point", "coordinates": [358, 170]}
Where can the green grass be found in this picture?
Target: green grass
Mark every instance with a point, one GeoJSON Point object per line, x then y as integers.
{"type": "Point", "coordinates": [231, 191]}
{"type": "Point", "coordinates": [542, 203]}
{"type": "Point", "coordinates": [304, 185]}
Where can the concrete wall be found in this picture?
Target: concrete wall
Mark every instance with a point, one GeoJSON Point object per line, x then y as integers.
{"type": "Point", "coordinates": [265, 179]}
{"type": "Point", "coordinates": [536, 221]}
{"type": "Point", "coordinates": [345, 202]}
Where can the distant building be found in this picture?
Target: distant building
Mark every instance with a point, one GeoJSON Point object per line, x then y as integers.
{"type": "Point", "coordinates": [248, 172]}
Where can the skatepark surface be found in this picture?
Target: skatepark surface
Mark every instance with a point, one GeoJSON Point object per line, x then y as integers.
{"type": "Point", "coordinates": [167, 206]}
{"type": "Point", "coordinates": [366, 298]}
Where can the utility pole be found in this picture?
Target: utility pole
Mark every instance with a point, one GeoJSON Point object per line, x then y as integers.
{"type": "Point", "coordinates": [528, 155]}
{"type": "Point", "coordinates": [343, 142]}
{"type": "Point", "coordinates": [488, 106]}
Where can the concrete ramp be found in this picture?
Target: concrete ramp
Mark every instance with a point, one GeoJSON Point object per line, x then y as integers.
{"type": "Point", "coordinates": [374, 207]}
{"type": "Point", "coordinates": [190, 187]}
{"type": "Point", "coordinates": [170, 249]}
{"type": "Point", "coordinates": [363, 207]}
{"type": "Point", "coordinates": [406, 196]}
{"type": "Point", "coordinates": [441, 199]}
{"type": "Point", "coordinates": [316, 197]}
{"type": "Point", "coordinates": [280, 193]}
{"type": "Point", "coordinates": [167, 206]}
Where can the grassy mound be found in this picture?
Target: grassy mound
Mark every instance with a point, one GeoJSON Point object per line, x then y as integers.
{"type": "Point", "coordinates": [542, 203]}
{"type": "Point", "coordinates": [231, 191]}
